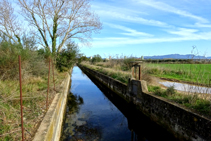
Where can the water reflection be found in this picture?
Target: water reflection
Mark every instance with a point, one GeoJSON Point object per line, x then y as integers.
{"type": "Point", "coordinates": [73, 103]}
{"type": "Point", "coordinates": [77, 128]}
{"type": "Point", "coordinates": [140, 126]}
{"type": "Point", "coordinates": [96, 113]}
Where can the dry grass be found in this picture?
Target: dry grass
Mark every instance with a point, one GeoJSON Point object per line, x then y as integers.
{"type": "Point", "coordinates": [114, 70]}
{"type": "Point", "coordinates": [34, 105]}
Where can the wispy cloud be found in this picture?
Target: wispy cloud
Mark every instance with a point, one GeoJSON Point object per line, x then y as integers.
{"type": "Point", "coordinates": [110, 39]}
{"type": "Point", "coordinates": [202, 25]}
{"type": "Point", "coordinates": [117, 9]}
{"type": "Point", "coordinates": [117, 42]}
{"type": "Point", "coordinates": [129, 18]}
{"type": "Point", "coordinates": [165, 7]}
{"type": "Point", "coordinates": [129, 31]}
{"type": "Point", "coordinates": [183, 31]}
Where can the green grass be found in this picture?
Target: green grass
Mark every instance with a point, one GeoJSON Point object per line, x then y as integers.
{"type": "Point", "coordinates": [190, 101]}
{"type": "Point", "coordinates": [197, 73]}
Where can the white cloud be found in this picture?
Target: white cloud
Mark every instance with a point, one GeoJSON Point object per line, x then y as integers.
{"type": "Point", "coordinates": [117, 9]}
{"type": "Point", "coordinates": [202, 25]}
{"type": "Point", "coordinates": [165, 7]}
{"type": "Point", "coordinates": [183, 31]}
{"type": "Point", "coordinates": [112, 42]}
{"type": "Point", "coordinates": [130, 32]}
{"type": "Point", "coordinates": [110, 39]}
{"type": "Point", "coordinates": [129, 18]}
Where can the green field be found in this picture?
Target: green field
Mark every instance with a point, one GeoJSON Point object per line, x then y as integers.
{"type": "Point", "coordinates": [197, 73]}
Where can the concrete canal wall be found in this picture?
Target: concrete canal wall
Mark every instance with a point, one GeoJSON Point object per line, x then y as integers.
{"type": "Point", "coordinates": [51, 126]}
{"type": "Point", "coordinates": [180, 121]}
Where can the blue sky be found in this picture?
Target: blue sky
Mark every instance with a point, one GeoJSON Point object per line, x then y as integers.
{"type": "Point", "coordinates": [151, 27]}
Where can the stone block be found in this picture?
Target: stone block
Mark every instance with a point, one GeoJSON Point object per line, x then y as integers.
{"type": "Point", "coordinates": [136, 87]}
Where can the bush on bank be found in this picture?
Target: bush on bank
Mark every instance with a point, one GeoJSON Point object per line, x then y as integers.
{"type": "Point", "coordinates": [67, 57]}
{"type": "Point", "coordinates": [33, 63]}
{"type": "Point", "coordinates": [96, 58]}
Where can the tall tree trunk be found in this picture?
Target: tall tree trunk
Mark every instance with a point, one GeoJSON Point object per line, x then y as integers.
{"type": "Point", "coordinates": [55, 26]}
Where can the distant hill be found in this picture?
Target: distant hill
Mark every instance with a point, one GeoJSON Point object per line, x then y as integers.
{"type": "Point", "coordinates": [176, 56]}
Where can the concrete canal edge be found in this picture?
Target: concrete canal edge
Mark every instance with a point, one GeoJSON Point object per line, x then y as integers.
{"type": "Point", "coordinates": [51, 126]}
{"type": "Point", "coordinates": [183, 123]}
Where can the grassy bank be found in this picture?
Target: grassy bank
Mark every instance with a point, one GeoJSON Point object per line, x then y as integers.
{"type": "Point", "coordinates": [34, 88]}
{"type": "Point", "coordinates": [191, 73]}
{"type": "Point", "coordinates": [34, 91]}
{"type": "Point", "coordinates": [122, 76]}
{"type": "Point", "coordinates": [191, 101]}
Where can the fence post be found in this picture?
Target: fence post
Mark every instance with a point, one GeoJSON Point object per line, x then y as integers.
{"type": "Point", "coordinates": [21, 100]}
{"type": "Point", "coordinates": [48, 83]}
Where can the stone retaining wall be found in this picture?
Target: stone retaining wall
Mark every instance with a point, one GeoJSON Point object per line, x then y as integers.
{"type": "Point", "coordinates": [183, 123]}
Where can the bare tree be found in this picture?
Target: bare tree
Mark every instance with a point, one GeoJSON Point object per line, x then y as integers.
{"type": "Point", "coordinates": [59, 21]}
{"type": "Point", "coordinates": [9, 25]}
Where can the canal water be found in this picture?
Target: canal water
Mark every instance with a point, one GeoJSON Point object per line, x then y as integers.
{"type": "Point", "coordinates": [187, 87]}
{"type": "Point", "coordinates": [95, 113]}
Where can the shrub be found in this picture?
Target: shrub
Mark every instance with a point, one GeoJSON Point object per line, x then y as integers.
{"type": "Point", "coordinates": [82, 58]}
{"type": "Point", "coordinates": [127, 62]}
{"type": "Point", "coordinates": [32, 62]}
{"type": "Point", "coordinates": [37, 65]}
{"type": "Point", "coordinates": [155, 71]}
{"type": "Point", "coordinates": [67, 57]}
{"type": "Point", "coordinates": [96, 58]}
{"type": "Point", "coordinates": [44, 52]}
{"type": "Point", "coordinates": [170, 90]}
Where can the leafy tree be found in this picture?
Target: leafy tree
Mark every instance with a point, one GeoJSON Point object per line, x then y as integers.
{"type": "Point", "coordinates": [96, 58]}
{"type": "Point", "coordinates": [82, 58]}
{"type": "Point", "coordinates": [67, 57]}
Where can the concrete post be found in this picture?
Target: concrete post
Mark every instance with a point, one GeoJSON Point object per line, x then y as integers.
{"type": "Point", "coordinates": [140, 72]}
{"type": "Point", "coordinates": [132, 72]}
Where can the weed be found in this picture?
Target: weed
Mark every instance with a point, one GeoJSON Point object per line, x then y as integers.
{"type": "Point", "coordinates": [153, 88]}
{"type": "Point", "coordinates": [170, 90]}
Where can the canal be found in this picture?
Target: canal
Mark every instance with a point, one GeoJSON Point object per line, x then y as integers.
{"type": "Point", "coordinates": [95, 113]}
